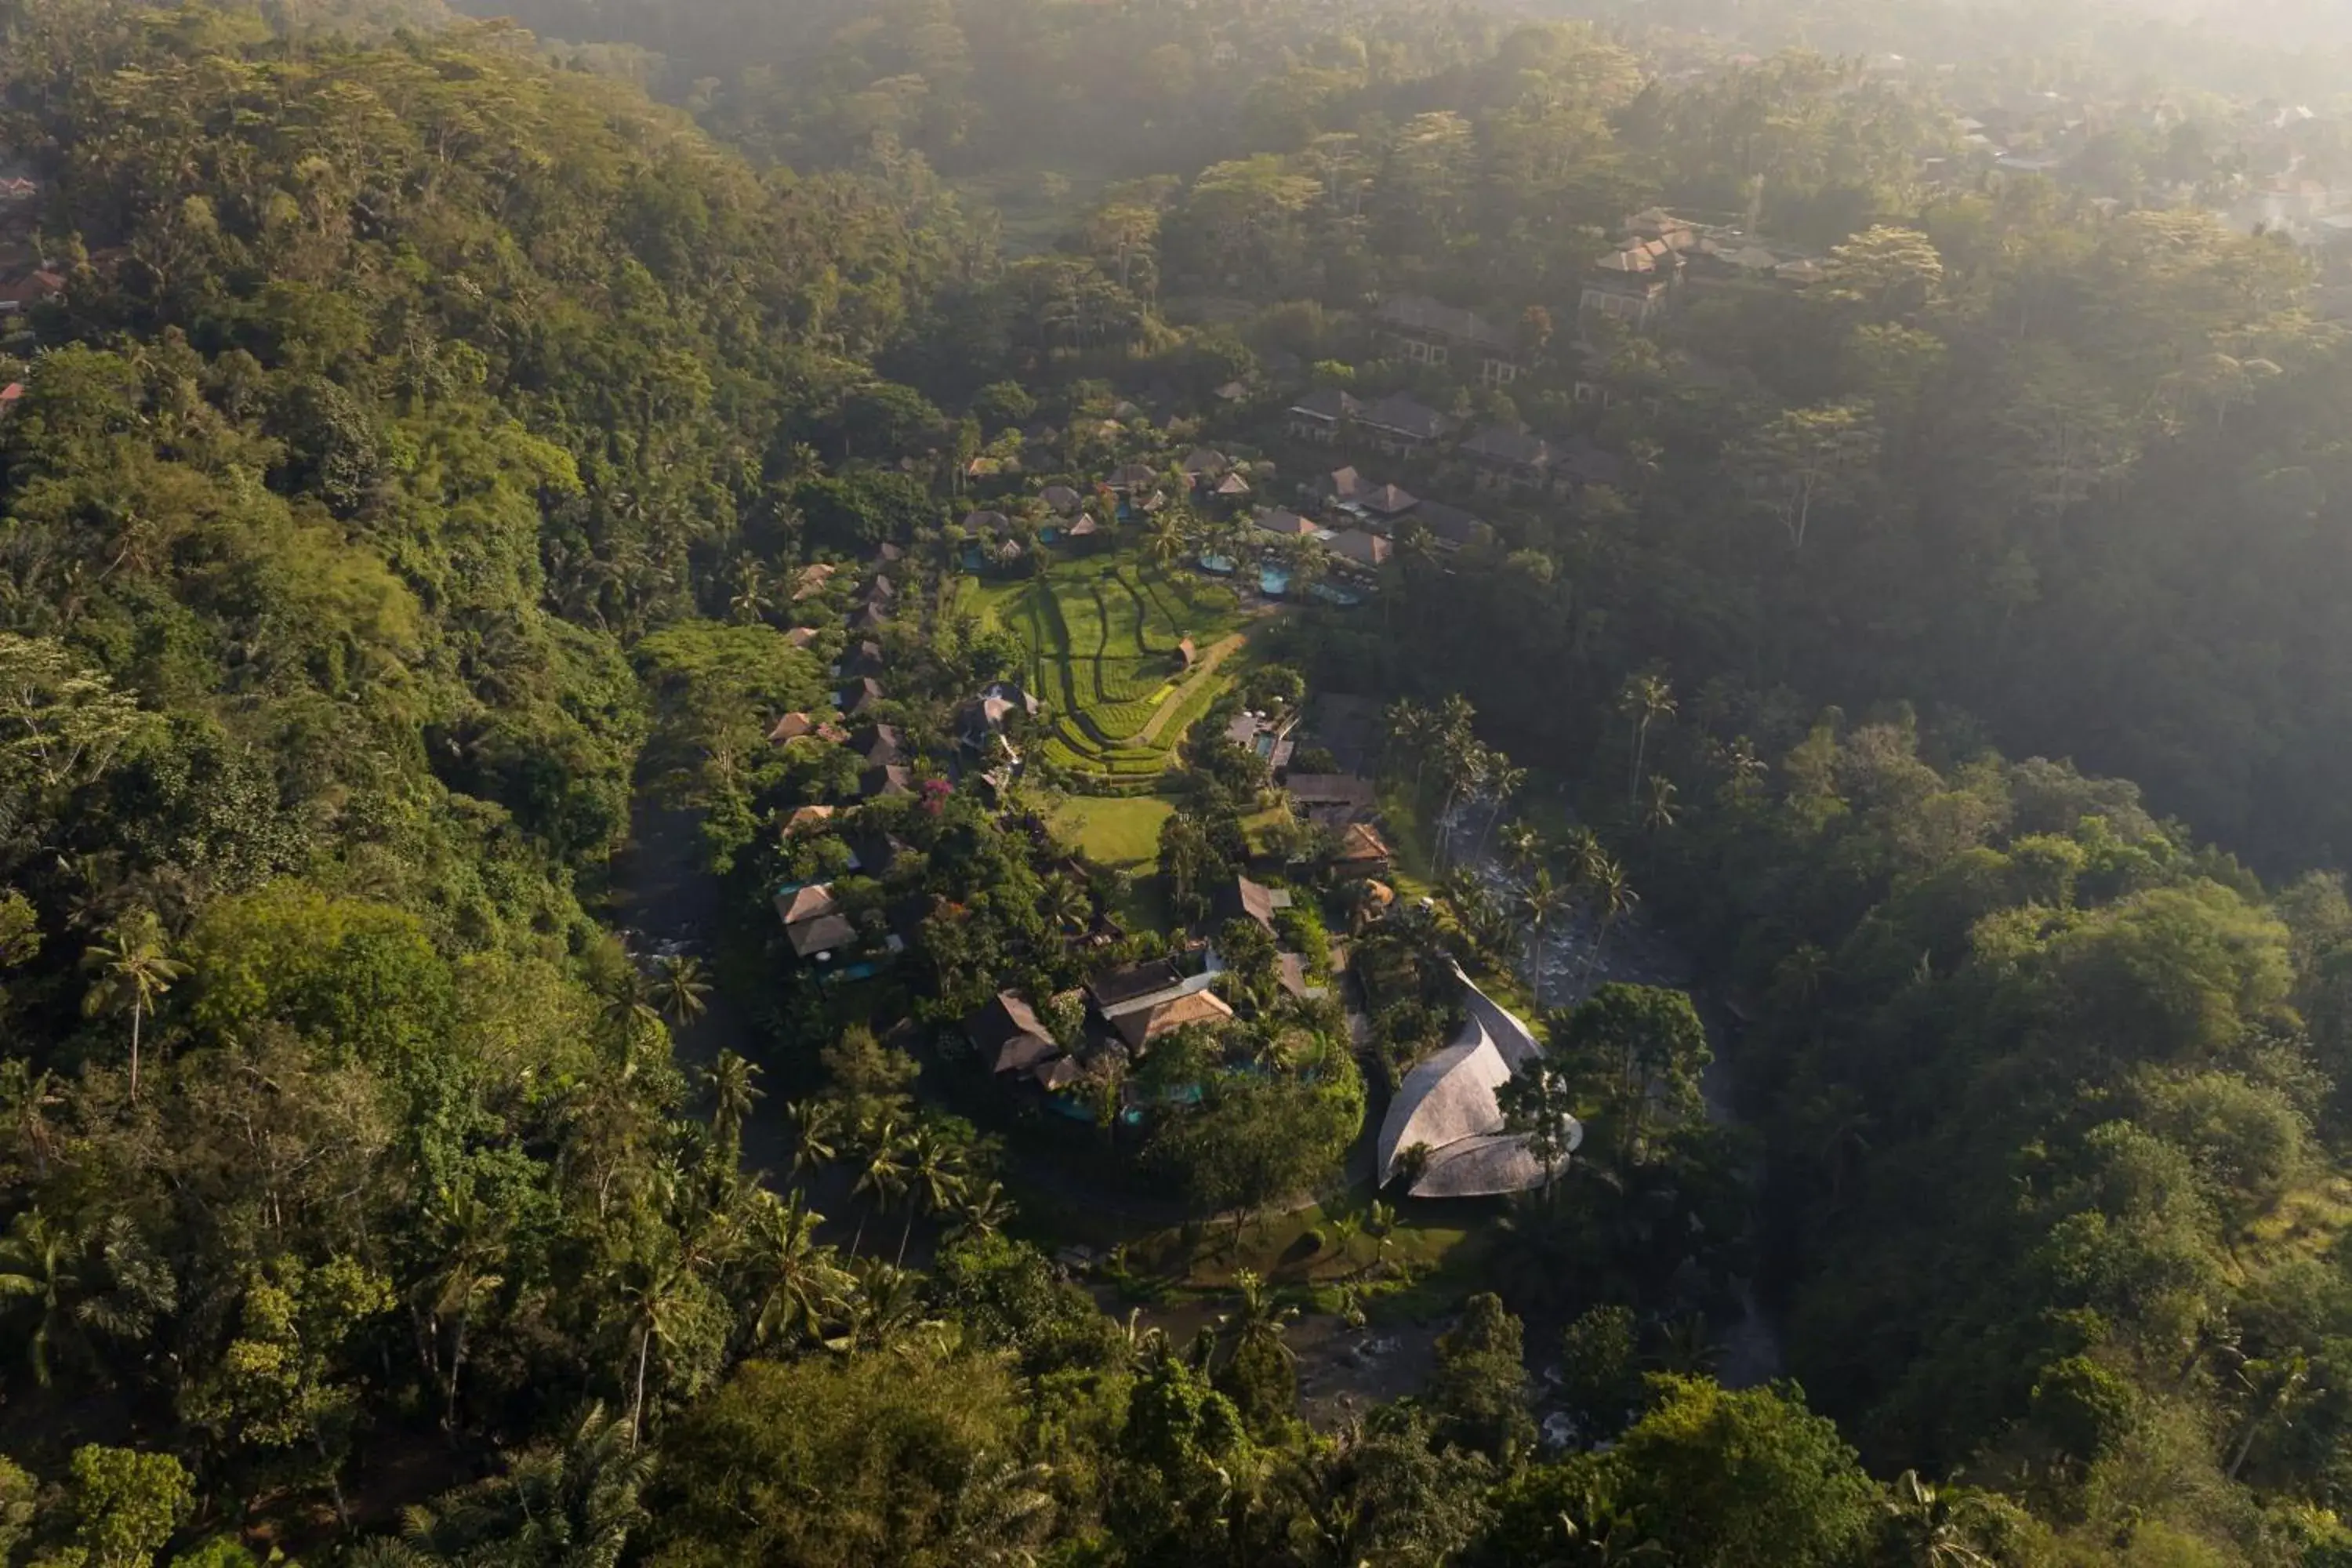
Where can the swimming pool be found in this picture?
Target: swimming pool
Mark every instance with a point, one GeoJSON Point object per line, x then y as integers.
{"type": "Point", "coordinates": [1216, 566]}
{"type": "Point", "coordinates": [1272, 582]}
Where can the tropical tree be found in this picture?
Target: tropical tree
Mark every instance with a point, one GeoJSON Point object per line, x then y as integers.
{"type": "Point", "coordinates": [1612, 899]}
{"type": "Point", "coordinates": [1645, 699]}
{"type": "Point", "coordinates": [1521, 845]}
{"type": "Point", "coordinates": [795, 1283]}
{"type": "Point", "coordinates": [39, 1264]}
{"type": "Point", "coordinates": [981, 1210]}
{"type": "Point", "coordinates": [678, 987]}
{"type": "Point", "coordinates": [816, 1129]}
{"type": "Point", "coordinates": [1541, 904]}
{"type": "Point", "coordinates": [734, 1091]}
{"type": "Point", "coordinates": [1659, 811]}
{"type": "Point", "coordinates": [1167, 539]}
{"type": "Point", "coordinates": [931, 1178]}
{"type": "Point", "coordinates": [134, 970]}
{"type": "Point", "coordinates": [471, 1248]}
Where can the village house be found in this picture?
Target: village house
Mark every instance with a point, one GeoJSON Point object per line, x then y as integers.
{"type": "Point", "coordinates": [877, 745]}
{"type": "Point", "coordinates": [1402, 425]}
{"type": "Point", "coordinates": [1242, 899]}
{"type": "Point", "coordinates": [885, 782]}
{"type": "Point", "coordinates": [1318, 415]}
{"type": "Point", "coordinates": [1449, 526]}
{"type": "Point", "coordinates": [814, 925]}
{"type": "Point", "coordinates": [1503, 458]}
{"type": "Point", "coordinates": [1333, 800]}
{"type": "Point", "coordinates": [1428, 332]}
{"type": "Point", "coordinates": [859, 697]}
{"type": "Point", "coordinates": [1355, 548]}
{"type": "Point", "coordinates": [1009, 1036]}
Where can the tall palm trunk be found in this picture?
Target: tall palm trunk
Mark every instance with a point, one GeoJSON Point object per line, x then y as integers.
{"type": "Point", "coordinates": [637, 1405]}
{"type": "Point", "coordinates": [135, 1010]}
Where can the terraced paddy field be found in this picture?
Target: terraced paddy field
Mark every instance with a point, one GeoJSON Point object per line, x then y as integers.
{"type": "Point", "coordinates": [1102, 636]}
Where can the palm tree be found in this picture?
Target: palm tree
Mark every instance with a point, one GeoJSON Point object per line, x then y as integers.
{"type": "Point", "coordinates": [1612, 899]}
{"type": "Point", "coordinates": [1538, 907]}
{"type": "Point", "coordinates": [678, 987]}
{"type": "Point", "coordinates": [1660, 812]}
{"type": "Point", "coordinates": [1344, 1230]}
{"type": "Point", "coordinates": [752, 602]}
{"type": "Point", "coordinates": [1408, 727]}
{"type": "Point", "coordinates": [650, 1297]}
{"type": "Point", "coordinates": [816, 1134]}
{"type": "Point", "coordinates": [1645, 699]}
{"type": "Point", "coordinates": [1066, 904]}
{"type": "Point", "coordinates": [797, 1281]}
{"type": "Point", "coordinates": [886, 1307]}
{"type": "Point", "coordinates": [471, 1248]}
{"type": "Point", "coordinates": [1380, 1219]}
{"type": "Point", "coordinates": [629, 1005]}
{"type": "Point", "coordinates": [933, 1179]}
{"type": "Point", "coordinates": [1522, 846]}
{"type": "Point", "coordinates": [981, 1212]}
{"type": "Point", "coordinates": [1503, 781]}
{"type": "Point", "coordinates": [1260, 1319]}
{"type": "Point", "coordinates": [1002, 1510]}
{"type": "Point", "coordinates": [1167, 539]}
{"type": "Point", "coordinates": [882, 1178]}
{"type": "Point", "coordinates": [134, 971]}
{"type": "Point", "coordinates": [37, 1264]}
{"type": "Point", "coordinates": [1933, 1529]}
{"type": "Point", "coordinates": [733, 1090]}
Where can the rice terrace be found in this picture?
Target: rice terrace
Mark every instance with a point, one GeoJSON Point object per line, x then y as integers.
{"type": "Point", "coordinates": [1125, 658]}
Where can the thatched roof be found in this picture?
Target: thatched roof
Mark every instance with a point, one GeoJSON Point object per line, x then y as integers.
{"type": "Point", "coordinates": [1448, 1104]}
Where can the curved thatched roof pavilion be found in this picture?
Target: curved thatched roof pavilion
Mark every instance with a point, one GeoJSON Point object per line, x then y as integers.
{"type": "Point", "coordinates": [1448, 1103]}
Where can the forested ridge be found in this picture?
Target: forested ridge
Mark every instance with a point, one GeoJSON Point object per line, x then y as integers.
{"type": "Point", "coordinates": [433, 460]}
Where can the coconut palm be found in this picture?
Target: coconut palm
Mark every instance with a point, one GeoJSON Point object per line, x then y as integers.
{"type": "Point", "coordinates": [470, 1249]}
{"type": "Point", "coordinates": [678, 987]}
{"type": "Point", "coordinates": [932, 1179]}
{"type": "Point", "coordinates": [1934, 1527]}
{"type": "Point", "coordinates": [1407, 729]}
{"type": "Point", "coordinates": [817, 1135]}
{"type": "Point", "coordinates": [733, 1089]}
{"type": "Point", "coordinates": [798, 1284]}
{"type": "Point", "coordinates": [1539, 906]}
{"type": "Point", "coordinates": [1521, 845]}
{"type": "Point", "coordinates": [651, 1296]}
{"type": "Point", "coordinates": [1066, 904]}
{"type": "Point", "coordinates": [1503, 781]}
{"type": "Point", "coordinates": [1259, 1318]}
{"type": "Point", "coordinates": [1659, 811]}
{"type": "Point", "coordinates": [981, 1211]}
{"type": "Point", "coordinates": [1645, 699]}
{"type": "Point", "coordinates": [882, 1178]}
{"type": "Point", "coordinates": [1001, 1512]}
{"type": "Point", "coordinates": [886, 1308]}
{"type": "Point", "coordinates": [1167, 539]}
{"type": "Point", "coordinates": [134, 972]}
{"type": "Point", "coordinates": [629, 1003]}
{"type": "Point", "coordinates": [752, 600]}
{"type": "Point", "coordinates": [39, 1264]}
{"type": "Point", "coordinates": [1612, 899]}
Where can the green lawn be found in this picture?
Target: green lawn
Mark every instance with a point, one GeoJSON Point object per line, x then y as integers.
{"type": "Point", "coordinates": [1123, 835]}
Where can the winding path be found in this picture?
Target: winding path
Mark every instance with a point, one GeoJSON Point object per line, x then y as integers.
{"type": "Point", "coordinates": [1218, 652]}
